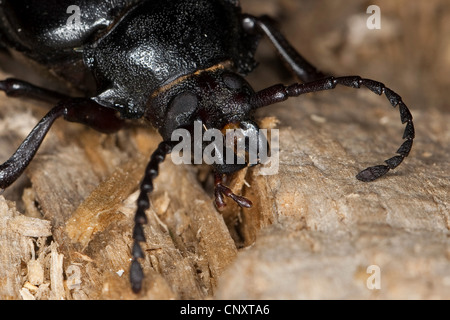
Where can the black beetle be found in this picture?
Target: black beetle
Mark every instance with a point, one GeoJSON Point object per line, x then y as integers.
{"type": "Point", "coordinates": [170, 62]}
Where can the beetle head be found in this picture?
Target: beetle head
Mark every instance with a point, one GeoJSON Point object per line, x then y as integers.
{"type": "Point", "coordinates": [220, 101]}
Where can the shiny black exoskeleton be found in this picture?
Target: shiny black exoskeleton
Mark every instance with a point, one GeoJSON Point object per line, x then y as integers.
{"type": "Point", "coordinates": [172, 62]}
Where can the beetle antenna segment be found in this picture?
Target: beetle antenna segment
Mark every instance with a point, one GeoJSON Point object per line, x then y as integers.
{"type": "Point", "coordinates": [140, 218]}
{"type": "Point", "coordinates": [279, 93]}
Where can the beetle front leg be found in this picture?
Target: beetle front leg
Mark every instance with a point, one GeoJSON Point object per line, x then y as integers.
{"type": "Point", "coordinates": [78, 110]}
{"type": "Point", "coordinates": [264, 25]}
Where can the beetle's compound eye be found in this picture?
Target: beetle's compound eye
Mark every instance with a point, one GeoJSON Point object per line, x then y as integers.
{"type": "Point", "coordinates": [181, 109]}
{"type": "Point", "coordinates": [232, 81]}
{"type": "Point", "coordinates": [180, 112]}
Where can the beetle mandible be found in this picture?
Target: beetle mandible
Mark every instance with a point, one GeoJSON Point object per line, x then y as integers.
{"type": "Point", "coordinates": [170, 62]}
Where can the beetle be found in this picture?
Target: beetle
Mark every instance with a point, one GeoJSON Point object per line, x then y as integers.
{"type": "Point", "coordinates": [171, 63]}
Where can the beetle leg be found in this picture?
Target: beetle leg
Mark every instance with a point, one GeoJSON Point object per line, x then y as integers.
{"type": "Point", "coordinates": [92, 114]}
{"type": "Point", "coordinates": [18, 88]}
{"type": "Point", "coordinates": [14, 166]}
{"type": "Point", "coordinates": [264, 25]}
{"type": "Point", "coordinates": [79, 110]}
{"type": "Point", "coordinates": [278, 93]}
{"type": "Point", "coordinates": [221, 190]}
{"type": "Point", "coordinates": [140, 218]}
